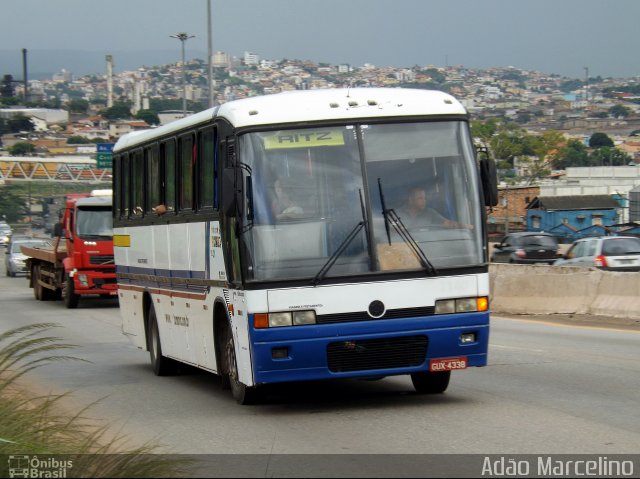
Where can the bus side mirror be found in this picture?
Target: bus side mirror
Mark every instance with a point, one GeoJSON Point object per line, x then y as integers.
{"type": "Point", "coordinates": [489, 178]}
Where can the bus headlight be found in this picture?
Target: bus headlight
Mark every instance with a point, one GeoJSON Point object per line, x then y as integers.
{"type": "Point", "coordinates": [466, 305]}
{"type": "Point", "coordinates": [462, 305]}
{"type": "Point", "coordinates": [304, 317]}
{"type": "Point", "coordinates": [286, 318]}
{"type": "Point", "coordinates": [446, 306]}
{"type": "Point", "coordinates": [277, 320]}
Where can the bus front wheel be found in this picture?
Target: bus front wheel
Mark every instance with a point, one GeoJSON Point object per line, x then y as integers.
{"type": "Point", "coordinates": [162, 366]}
{"type": "Point", "coordinates": [427, 382]}
{"type": "Point", "coordinates": [242, 393]}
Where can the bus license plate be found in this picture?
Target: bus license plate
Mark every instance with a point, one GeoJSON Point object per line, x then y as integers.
{"type": "Point", "coordinates": [448, 364]}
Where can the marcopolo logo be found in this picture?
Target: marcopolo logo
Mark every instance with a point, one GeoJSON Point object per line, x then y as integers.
{"type": "Point", "coordinates": [34, 466]}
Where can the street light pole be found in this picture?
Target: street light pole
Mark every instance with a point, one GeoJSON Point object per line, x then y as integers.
{"type": "Point", "coordinates": [210, 54]}
{"type": "Point", "coordinates": [183, 37]}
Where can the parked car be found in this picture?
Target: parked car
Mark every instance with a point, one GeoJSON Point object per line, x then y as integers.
{"type": "Point", "coordinates": [526, 248]}
{"type": "Point", "coordinates": [614, 253]}
{"type": "Point", "coordinates": [5, 233]}
{"type": "Point", "coordinates": [14, 259]}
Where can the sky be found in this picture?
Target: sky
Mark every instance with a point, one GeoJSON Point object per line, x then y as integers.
{"type": "Point", "coordinates": [552, 36]}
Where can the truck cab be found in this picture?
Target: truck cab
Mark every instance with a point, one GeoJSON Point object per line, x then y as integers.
{"type": "Point", "coordinates": [80, 259]}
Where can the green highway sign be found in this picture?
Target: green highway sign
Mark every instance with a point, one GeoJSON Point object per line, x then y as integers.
{"type": "Point", "coordinates": [104, 157]}
{"type": "Point", "coordinates": [104, 160]}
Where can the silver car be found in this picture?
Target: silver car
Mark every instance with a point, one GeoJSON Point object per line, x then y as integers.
{"type": "Point", "coordinates": [15, 260]}
{"type": "Point", "coordinates": [614, 253]}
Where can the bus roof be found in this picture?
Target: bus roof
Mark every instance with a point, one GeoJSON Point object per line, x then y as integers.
{"type": "Point", "coordinates": [312, 105]}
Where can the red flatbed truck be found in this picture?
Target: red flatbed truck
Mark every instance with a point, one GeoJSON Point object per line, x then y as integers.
{"type": "Point", "coordinates": [79, 262]}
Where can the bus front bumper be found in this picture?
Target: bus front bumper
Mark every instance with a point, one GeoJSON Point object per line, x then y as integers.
{"type": "Point", "coordinates": [368, 348]}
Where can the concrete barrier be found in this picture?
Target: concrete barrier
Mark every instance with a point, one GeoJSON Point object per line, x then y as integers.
{"type": "Point", "coordinates": [543, 289]}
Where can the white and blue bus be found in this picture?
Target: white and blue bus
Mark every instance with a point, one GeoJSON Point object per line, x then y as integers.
{"type": "Point", "coordinates": [274, 239]}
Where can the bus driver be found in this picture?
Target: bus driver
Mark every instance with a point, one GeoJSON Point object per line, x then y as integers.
{"type": "Point", "coordinates": [417, 214]}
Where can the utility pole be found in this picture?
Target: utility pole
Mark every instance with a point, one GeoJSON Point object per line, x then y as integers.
{"type": "Point", "coordinates": [586, 86]}
{"type": "Point", "coordinates": [183, 37]}
{"type": "Point", "coordinates": [24, 77]}
{"type": "Point", "coordinates": [210, 53]}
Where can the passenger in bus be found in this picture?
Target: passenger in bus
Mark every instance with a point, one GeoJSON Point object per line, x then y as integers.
{"type": "Point", "coordinates": [283, 206]}
{"type": "Point", "coordinates": [416, 213]}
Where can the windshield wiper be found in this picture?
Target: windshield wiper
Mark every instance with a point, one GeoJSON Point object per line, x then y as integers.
{"type": "Point", "coordinates": [343, 246]}
{"type": "Point", "coordinates": [403, 232]}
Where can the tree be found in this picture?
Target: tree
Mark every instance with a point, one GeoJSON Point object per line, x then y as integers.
{"type": "Point", "coordinates": [599, 140]}
{"type": "Point", "coordinates": [22, 148]}
{"type": "Point", "coordinates": [608, 156]}
{"type": "Point", "coordinates": [484, 130]}
{"type": "Point", "coordinates": [118, 111]}
{"type": "Point", "coordinates": [20, 123]}
{"type": "Point", "coordinates": [507, 142]}
{"type": "Point", "coordinates": [619, 111]}
{"type": "Point", "coordinates": [78, 106]}
{"type": "Point", "coordinates": [7, 89]}
{"type": "Point", "coordinates": [574, 153]}
{"type": "Point", "coordinates": [12, 207]}
{"type": "Point", "coordinates": [150, 116]}
{"type": "Point", "coordinates": [78, 140]}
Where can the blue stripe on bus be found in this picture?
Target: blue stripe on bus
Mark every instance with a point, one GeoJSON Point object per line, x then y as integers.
{"type": "Point", "coordinates": [166, 274]}
{"type": "Point", "coordinates": [163, 273]}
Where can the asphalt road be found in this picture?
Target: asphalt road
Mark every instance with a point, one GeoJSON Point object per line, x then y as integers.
{"type": "Point", "coordinates": [550, 387]}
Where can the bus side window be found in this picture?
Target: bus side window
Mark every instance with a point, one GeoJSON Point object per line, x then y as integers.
{"type": "Point", "coordinates": [137, 207]}
{"type": "Point", "coordinates": [187, 162]}
{"type": "Point", "coordinates": [125, 196]}
{"type": "Point", "coordinates": [117, 186]}
{"type": "Point", "coordinates": [207, 168]}
{"type": "Point", "coordinates": [168, 152]}
{"type": "Point", "coordinates": [152, 160]}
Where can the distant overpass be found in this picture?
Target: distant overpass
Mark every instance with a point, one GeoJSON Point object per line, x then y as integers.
{"type": "Point", "coordinates": [77, 169]}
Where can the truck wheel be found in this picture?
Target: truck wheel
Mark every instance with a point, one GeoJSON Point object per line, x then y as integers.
{"type": "Point", "coordinates": [68, 293]}
{"type": "Point", "coordinates": [35, 276]}
{"type": "Point", "coordinates": [242, 393]}
{"type": "Point", "coordinates": [162, 366]}
{"type": "Point", "coordinates": [428, 382]}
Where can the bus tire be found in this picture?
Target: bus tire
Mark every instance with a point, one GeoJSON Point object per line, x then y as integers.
{"type": "Point", "coordinates": [71, 299]}
{"type": "Point", "coordinates": [427, 382]}
{"type": "Point", "coordinates": [242, 393]}
{"type": "Point", "coordinates": [162, 366]}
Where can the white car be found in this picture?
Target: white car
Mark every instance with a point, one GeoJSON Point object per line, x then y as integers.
{"type": "Point", "coordinates": [614, 253]}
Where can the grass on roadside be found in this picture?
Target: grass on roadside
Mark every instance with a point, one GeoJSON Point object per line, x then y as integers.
{"type": "Point", "coordinates": [39, 425]}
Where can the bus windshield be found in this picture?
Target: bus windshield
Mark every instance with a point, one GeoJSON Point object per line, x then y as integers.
{"type": "Point", "coordinates": [365, 198]}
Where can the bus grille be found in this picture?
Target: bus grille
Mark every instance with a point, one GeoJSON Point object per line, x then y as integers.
{"type": "Point", "coordinates": [101, 259]}
{"type": "Point", "coordinates": [369, 354]}
{"type": "Point", "coordinates": [364, 316]}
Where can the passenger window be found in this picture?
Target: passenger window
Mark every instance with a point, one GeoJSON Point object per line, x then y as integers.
{"type": "Point", "coordinates": [207, 173]}
{"type": "Point", "coordinates": [137, 207]}
{"type": "Point", "coordinates": [187, 162]}
{"type": "Point", "coordinates": [153, 178]}
{"type": "Point", "coordinates": [169, 157]}
{"type": "Point", "coordinates": [125, 196]}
